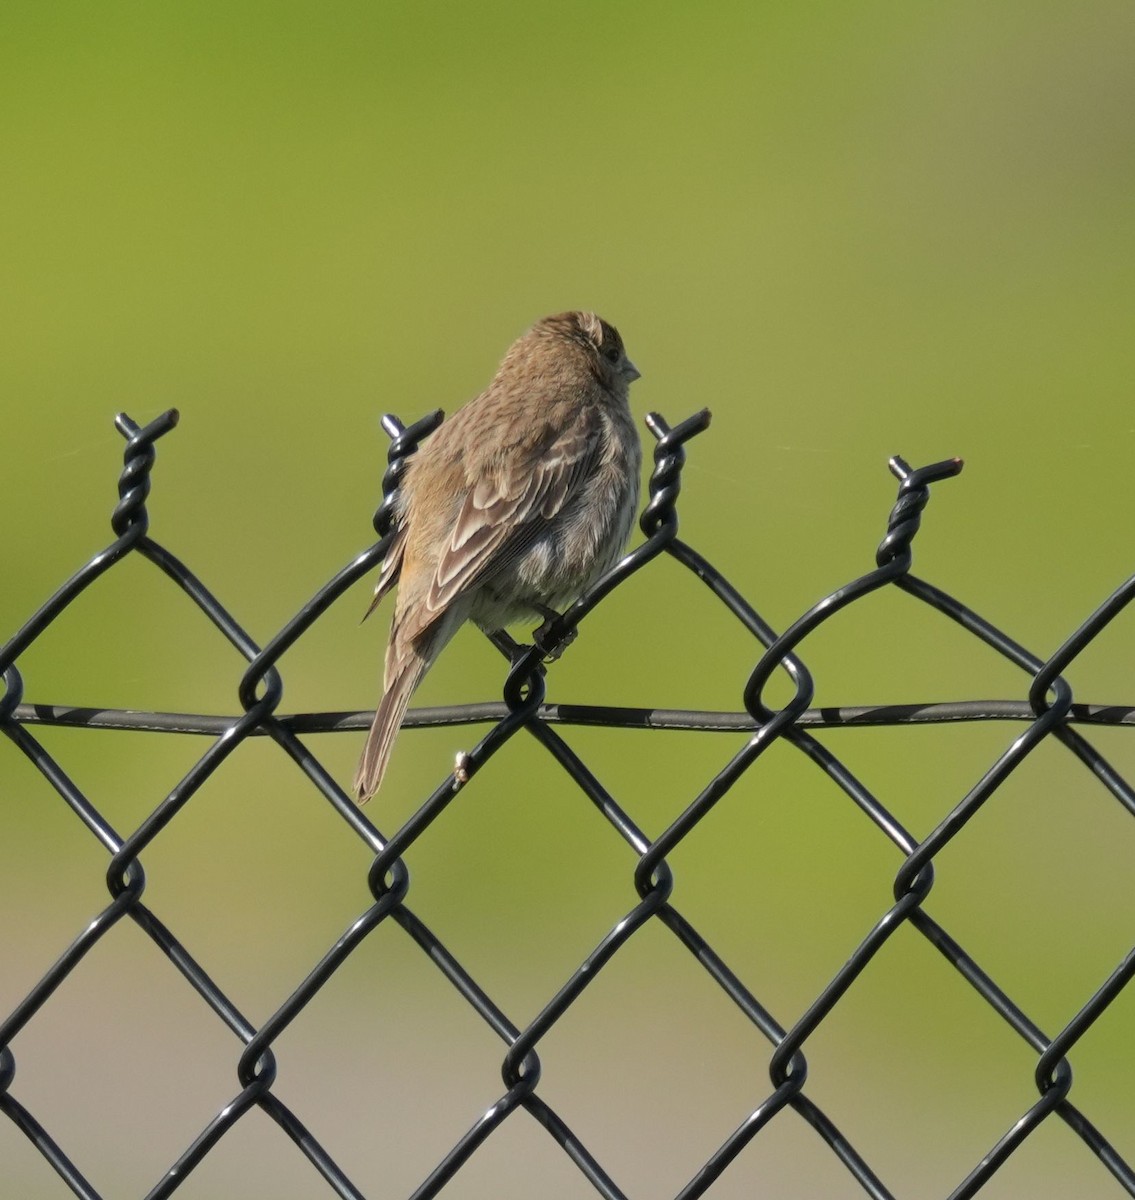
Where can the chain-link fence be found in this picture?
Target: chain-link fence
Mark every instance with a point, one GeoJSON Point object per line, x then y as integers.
{"type": "Point", "coordinates": [1048, 713]}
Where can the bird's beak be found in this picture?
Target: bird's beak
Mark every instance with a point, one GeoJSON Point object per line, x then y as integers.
{"type": "Point", "coordinates": [631, 371]}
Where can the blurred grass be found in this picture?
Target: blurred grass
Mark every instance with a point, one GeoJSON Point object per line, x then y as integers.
{"type": "Point", "coordinates": [851, 231]}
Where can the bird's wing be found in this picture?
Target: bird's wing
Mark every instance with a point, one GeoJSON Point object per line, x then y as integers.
{"type": "Point", "coordinates": [506, 510]}
{"type": "Point", "coordinates": [391, 569]}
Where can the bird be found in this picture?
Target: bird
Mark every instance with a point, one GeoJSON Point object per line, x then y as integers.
{"type": "Point", "coordinates": [514, 506]}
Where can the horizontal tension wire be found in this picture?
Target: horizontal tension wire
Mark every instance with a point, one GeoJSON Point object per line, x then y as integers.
{"type": "Point", "coordinates": [702, 721]}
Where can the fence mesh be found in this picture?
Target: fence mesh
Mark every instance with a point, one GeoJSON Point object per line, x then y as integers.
{"type": "Point", "coordinates": [1049, 713]}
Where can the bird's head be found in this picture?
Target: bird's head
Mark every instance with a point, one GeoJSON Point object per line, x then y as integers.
{"type": "Point", "coordinates": [581, 339]}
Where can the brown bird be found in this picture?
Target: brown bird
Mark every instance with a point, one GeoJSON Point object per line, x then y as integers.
{"type": "Point", "coordinates": [515, 506]}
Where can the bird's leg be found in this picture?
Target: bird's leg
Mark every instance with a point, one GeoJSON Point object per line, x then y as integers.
{"type": "Point", "coordinates": [551, 648]}
{"type": "Point", "coordinates": [511, 647]}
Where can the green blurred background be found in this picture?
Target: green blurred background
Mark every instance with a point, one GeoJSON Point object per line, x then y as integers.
{"type": "Point", "coordinates": [851, 230]}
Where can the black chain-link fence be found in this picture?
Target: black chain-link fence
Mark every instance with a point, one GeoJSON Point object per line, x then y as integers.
{"type": "Point", "coordinates": [1048, 713]}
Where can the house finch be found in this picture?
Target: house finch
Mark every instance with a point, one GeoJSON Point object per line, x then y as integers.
{"type": "Point", "coordinates": [518, 502]}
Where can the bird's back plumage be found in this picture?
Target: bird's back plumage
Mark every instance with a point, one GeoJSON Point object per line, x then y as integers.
{"type": "Point", "coordinates": [519, 501]}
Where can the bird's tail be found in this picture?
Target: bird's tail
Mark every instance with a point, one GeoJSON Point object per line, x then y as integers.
{"type": "Point", "coordinates": [384, 728]}
{"type": "Point", "coordinates": [405, 666]}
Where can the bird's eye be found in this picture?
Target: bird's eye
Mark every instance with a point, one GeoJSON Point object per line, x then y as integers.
{"type": "Point", "coordinates": [611, 354]}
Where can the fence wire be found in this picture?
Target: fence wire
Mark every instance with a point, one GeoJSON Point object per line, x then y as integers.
{"type": "Point", "coordinates": [1048, 713]}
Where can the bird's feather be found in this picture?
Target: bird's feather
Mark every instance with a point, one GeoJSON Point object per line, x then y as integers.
{"type": "Point", "coordinates": [504, 512]}
{"type": "Point", "coordinates": [391, 569]}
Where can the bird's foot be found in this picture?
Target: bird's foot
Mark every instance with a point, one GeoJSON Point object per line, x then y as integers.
{"type": "Point", "coordinates": [549, 645]}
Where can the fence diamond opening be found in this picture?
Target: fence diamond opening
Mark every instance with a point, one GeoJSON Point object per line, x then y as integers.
{"type": "Point", "coordinates": [1049, 712]}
